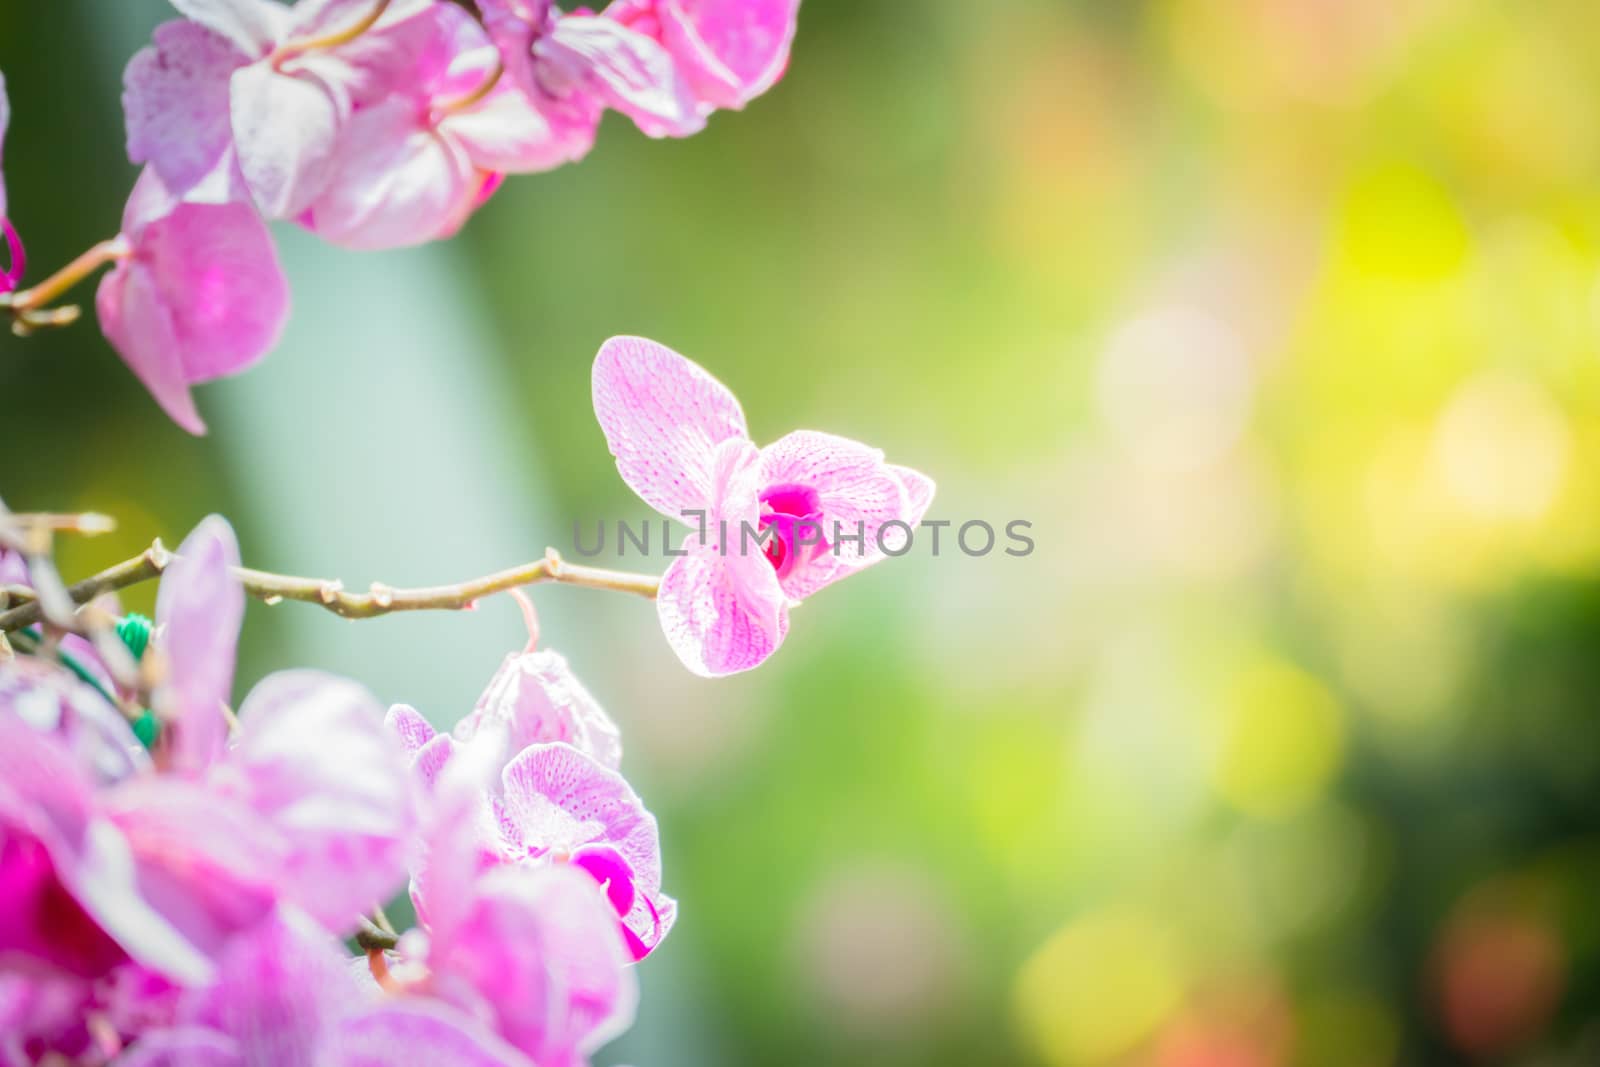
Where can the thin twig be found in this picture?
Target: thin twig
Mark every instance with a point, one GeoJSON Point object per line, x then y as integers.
{"type": "Point", "coordinates": [380, 599]}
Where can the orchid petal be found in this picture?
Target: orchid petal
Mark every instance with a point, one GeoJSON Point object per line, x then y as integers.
{"type": "Point", "coordinates": [731, 51]}
{"type": "Point", "coordinates": [252, 25]}
{"type": "Point", "coordinates": [413, 1030]}
{"type": "Point", "coordinates": [663, 418]}
{"type": "Point", "coordinates": [631, 72]}
{"type": "Point", "coordinates": [285, 129]}
{"type": "Point", "coordinates": [703, 604]}
{"type": "Point", "coordinates": [199, 609]}
{"type": "Point", "coordinates": [314, 759]}
{"type": "Point", "coordinates": [175, 99]}
{"type": "Point", "coordinates": [535, 698]}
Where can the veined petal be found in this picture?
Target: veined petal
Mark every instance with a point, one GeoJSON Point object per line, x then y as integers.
{"type": "Point", "coordinates": [557, 800]}
{"type": "Point", "coordinates": [663, 417]}
{"type": "Point", "coordinates": [858, 494]}
{"type": "Point", "coordinates": [175, 100]}
{"type": "Point", "coordinates": [534, 698]}
{"type": "Point", "coordinates": [410, 726]}
{"type": "Point", "coordinates": [199, 609]}
{"type": "Point", "coordinates": [721, 613]}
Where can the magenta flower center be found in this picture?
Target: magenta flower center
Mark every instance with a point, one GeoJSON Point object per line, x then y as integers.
{"type": "Point", "coordinates": [794, 514]}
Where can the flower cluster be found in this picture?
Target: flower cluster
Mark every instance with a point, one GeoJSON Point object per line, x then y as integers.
{"type": "Point", "coordinates": [375, 124]}
{"type": "Point", "coordinates": [182, 902]}
{"type": "Point", "coordinates": [176, 878]}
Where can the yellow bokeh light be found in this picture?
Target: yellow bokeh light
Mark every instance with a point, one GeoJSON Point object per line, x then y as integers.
{"type": "Point", "coordinates": [1098, 988]}
{"type": "Point", "coordinates": [1283, 739]}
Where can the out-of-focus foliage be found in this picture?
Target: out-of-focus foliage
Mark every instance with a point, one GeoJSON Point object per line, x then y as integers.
{"type": "Point", "coordinates": [1278, 320]}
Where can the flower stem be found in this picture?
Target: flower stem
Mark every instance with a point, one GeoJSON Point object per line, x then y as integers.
{"type": "Point", "coordinates": [380, 599]}
{"type": "Point", "coordinates": [28, 306]}
{"type": "Point", "coordinates": [289, 49]}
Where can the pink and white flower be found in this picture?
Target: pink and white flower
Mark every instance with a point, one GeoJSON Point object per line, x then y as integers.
{"type": "Point", "coordinates": [775, 524]}
{"type": "Point", "coordinates": [729, 51]}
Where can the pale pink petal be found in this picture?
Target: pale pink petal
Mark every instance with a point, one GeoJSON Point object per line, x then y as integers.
{"type": "Point", "coordinates": [539, 947]}
{"type": "Point", "coordinates": [731, 51]}
{"type": "Point", "coordinates": [919, 492]}
{"type": "Point", "coordinates": [283, 990]}
{"type": "Point", "coordinates": [507, 132]}
{"type": "Point", "coordinates": [558, 800]}
{"type": "Point", "coordinates": [663, 417]}
{"type": "Point", "coordinates": [310, 19]}
{"type": "Point", "coordinates": [175, 99]}
{"type": "Point", "coordinates": [397, 182]}
{"type": "Point", "coordinates": [535, 698]}
{"type": "Point", "coordinates": [410, 726]}
{"type": "Point", "coordinates": [199, 609]}
{"type": "Point", "coordinates": [630, 72]}
{"type": "Point", "coordinates": [285, 129]}
{"type": "Point", "coordinates": [184, 1046]}
{"type": "Point", "coordinates": [135, 319]}
{"type": "Point", "coordinates": [207, 863]}
{"type": "Point", "coordinates": [252, 25]}
{"type": "Point", "coordinates": [414, 1030]}
{"type": "Point", "coordinates": [702, 604]}
{"type": "Point", "coordinates": [314, 760]}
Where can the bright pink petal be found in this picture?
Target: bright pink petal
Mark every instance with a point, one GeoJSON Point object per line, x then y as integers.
{"type": "Point", "coordinates": [136, 320]}
{"type": "Point", "coordinates": [285, 130]}
{"type": "Point", "coordinates": [207, 863]}
{"type": "Point", "coordinates": [535, 698]}
{"type": "Point", "coordinates": [199, 609]}
{"type": "Point", "coordinates": [282, 992]}
{"type": "Point", "coordinates": [200, 296]}
{"type": "Point", "coordinates": [629, 71]}
{"type": "Point", "coordinates": [731, 51]}
{"type": "Point", "coordinates": [175, 99]}
{"type": "Point", "coordinates": [314, 760]}
{"type": "Point", "coordinates": [539, 948]}
{"type": "Point", "coordinates": [396, 182]}
{"type": "Point", "coordinates": [857, 492]}
{"type": "Point", "coordinates": [414, 1030]}
{"type": "Point", "coordinates": [663, 417]}
{"type": "Point", "coordinates": [514, 26]}
{"type": "Point", "coordinates": [5, 123]}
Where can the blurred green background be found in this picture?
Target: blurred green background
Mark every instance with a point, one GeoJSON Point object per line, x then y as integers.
{"type": "Point", "coordinates": [1278, 319]}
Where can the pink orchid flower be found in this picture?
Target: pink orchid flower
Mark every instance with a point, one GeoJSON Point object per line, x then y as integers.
{"type": "Point", "coordinates": [285, 994]}
{"type": "Point", "coordinates": [413, 166]}
{"type": "Point", "coordinates": [246, 99]}
{"type": "Point", "coordinates": [730, 51]}
{"type": "Point", "coordinates": [17, 261]}
{"type": "Point", "coordinates": [775, 524]}
{"type": "Point", "coordinates": [109, 862]}
{"type": "Point", "coordinates": [535, 948]}
{"type": "Point", "coordinates": [551, 792]}
{"type": "Point", "coordinates": [197, 294]}
{"type": "Point", "coordinates": [574, 65]}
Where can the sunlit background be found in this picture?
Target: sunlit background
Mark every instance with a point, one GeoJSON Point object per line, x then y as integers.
{"type": "Point", "coordinates": [1277, 319]}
